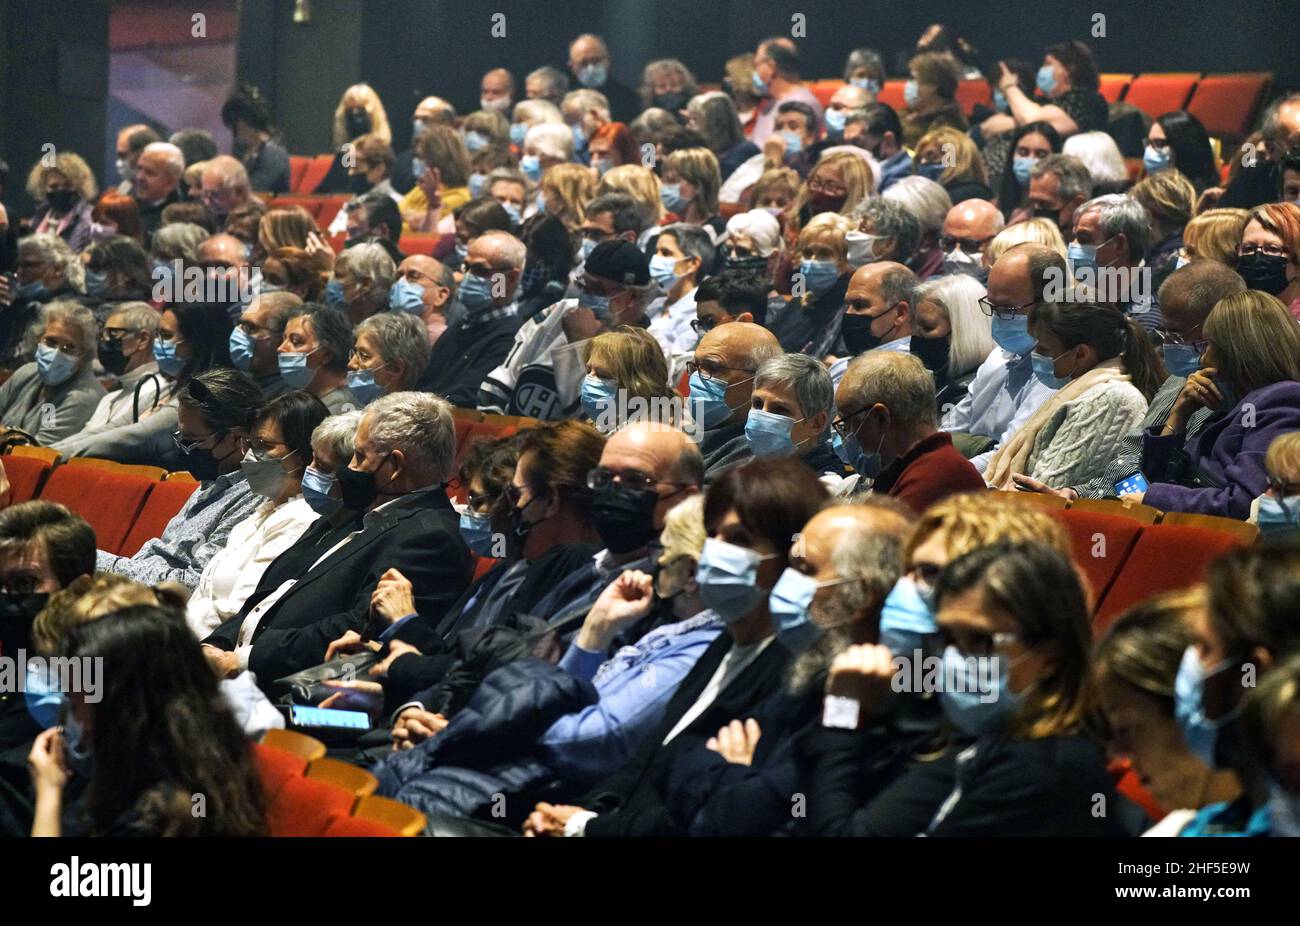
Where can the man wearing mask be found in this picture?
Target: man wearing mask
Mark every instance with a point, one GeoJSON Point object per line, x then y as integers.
{"type": "Point", "coordinates": [158, 173]}
{"type": "Point", "coordinates": [1259, 183]}
{"type": "Point", "coordinates": [722, 382]}
{"type": "Point", "coordinates": [887, 431]}
{"type": "Point", "coordinates": [846, 99]}
{"type": "Point", "coordinates": [376, 218]}
{"type": "Point", "coordinates": [225, 187]}
{"type": "Point", "coordinates": [497, 91]}
{"type": "Point", "coordinates": [400, 526]}
{"type": "Point", "coordinates": [228, 279]}
{"type": "Point", "coordinates": [1186, 298]}
{"type": "Point", "coordinates": [882, 136]}
{"type": "Point", "coordinates": [216, 411]}
{"type": "Point", "coordinates": [792, 138]}
{"type": "Point", "coordinates": [968, 228]}
{"type": "Point", "coordinates": [878, 309]}
{"type": "Point", "coordinates": [542, 375]}
{"type": "Point", "coordinates": [471, 347]}
{"type": "Point", "coordinates": [424, 288]}
{"type": "Point", "coordinates": [130, 142]}
{"type": "Point", "coordinates": [1005, 393]}
{"type": "Point", "coordinates": [255, 340]}
{"type": "Point", "coordinates": [1058, 185]}
{"type": "Point", "coordinates": [777, 79]}
{"type": "Point", "coordinates": [590, 64]}
{"type": "Point", "coordinates": [407, 168]}
{"type": "Point", "coordinates": [1111, 234]}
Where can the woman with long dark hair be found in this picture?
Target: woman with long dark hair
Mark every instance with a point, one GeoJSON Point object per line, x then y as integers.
{"type": "Point", "coordinates": [160, 743]}
{"type": "Point", "coordinates": [1029, 145]}
{"type": "Point", "coordinates": [1178, 140]}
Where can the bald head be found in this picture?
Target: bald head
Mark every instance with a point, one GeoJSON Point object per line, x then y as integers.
{"type": "Point", "coordinates": [222, 251]}
{"type": "Point", "coordinates": [664, 453]}
{"type": "Point", "coordinates": [732, 354]}
{"type": "Point", "coordinates": [433, 278]}
{"type": "Point", "coordinates": [973, 220]}
{"type": "Point", "coordinates": [849, 96]}
{"type": "Point", "coordinates": [1189, 293]}
{"type": "Point", "coordinates": [1018, 277]}
{"type": "Point", "coordinates": [225, 185]}
{"type": "Point", "coordinates": [860, 543]}
{"type": "Point", "coordinates": [434, 110]}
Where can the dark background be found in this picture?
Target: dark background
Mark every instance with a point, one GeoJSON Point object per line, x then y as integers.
{"type": "Point", "coordinates": [55, 52]}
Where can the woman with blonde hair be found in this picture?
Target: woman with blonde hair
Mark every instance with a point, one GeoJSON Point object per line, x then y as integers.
{"type": "Point", "coordinates": [360, 112]}
{"type": "Point", "coordinates": [64, 193]}
{"type": "Point", "coordinates": [566, 189]}
{"type": "Point", "coordinates": [638, 182]}
{"type": "Point", "coordinates": [627, 380]}
{"type": "Point", "coordinates": [691, 179]}
{"type": "Point", "coordinates": [1277, 511]}
{"type": "Point", "coordinates": [1170, 199]}
{"type": "Point", "coordinates": [774, 191]}
{"type": "Point", "coordinates": [1037, 231]}
{"type": "Point", "coordinates": [443, 187]}
{"type": "Point", "coordinates": [285, 227]}
{"type": "Point", "coordinates": [837, 183]}
{"type": "Point", "coordinates": [1214, 235]}
{"type": "Point", "coordinates": [950, 158]}
{"type": "Point", "coordinates": [809, 322]}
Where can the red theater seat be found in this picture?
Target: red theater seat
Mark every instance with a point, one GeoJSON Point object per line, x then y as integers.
{"type": "Point", "coordinates": [314, 173]}
{"type": "Point", "coordinates": [329, 207]}
{"type": "Point", "coordinates": [109, 501]}
{"type": "Point", "coordinates": [26, 476]}
{"type": "Point", "coordinates": [305, 807]}
{"type": "Point", "coordinates": [1100, 543]}
{"type": "Point", "coordinates": [1226, 104]}
{"type": "Point", "coordinates": [297, 170]}
{"type": "Point", "coordinates": [824, 90]}
{"type": "Point", "coordinates": [274, 769]}
{"type": "Point", "coordinates": [482, 564]}
{"type": "Point", "coordinates": [164, 501]}
{"type": "Point", "coordinates": [356, 827]}
{"type": "Point", "coordinates": [972, 93]}
{"type": "Point", "coordinates": [1112, 86]}
{"type": "Point", "coordinates": [1156, 94]}
{"type": "Point", "coordinates": [892, 94]}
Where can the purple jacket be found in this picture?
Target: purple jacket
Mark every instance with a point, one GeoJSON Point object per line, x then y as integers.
{"type": "Point", "coordinates": [1229, 451]}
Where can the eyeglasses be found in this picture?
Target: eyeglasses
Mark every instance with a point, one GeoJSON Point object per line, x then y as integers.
{"type": "Point", "coordinates": [188, 447]}
{"type": "Point", "coordinates": [602, 477]}
{"type": "Point", "coordinates": [1004, 312]}
{"type": "Point", "coordinates": [971, 642]}
{"type": "Point", "coordinates": [1270, 250]}
{"type": "Point", "coordinates": [703, 326]}
{"type": "Point", "coordinates": [969, 245]}
{"type": "Point", "coordinates": [116, 334]}
{"type": "Point", "coordinates": [60, 346]}
{"type": "Point", "coordinates": [817, 185]}
{"type": "Point", "coordinates": [252, 331]}
{"type": "Point", "coordinates": [262, 448]}
{"type": "Point", "coordinates": [841, 424]}
{"type": "Point", "coordinates": [708, 369]}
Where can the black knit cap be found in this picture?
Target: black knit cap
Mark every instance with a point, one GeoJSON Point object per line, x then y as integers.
{"type": "Point", "coordinates": [620, 262]}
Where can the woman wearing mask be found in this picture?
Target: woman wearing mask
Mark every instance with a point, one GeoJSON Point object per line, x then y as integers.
{"type": "Point", "coordinates": [611, 146]}
{"type": "Point", "coordinates": [627, 380]}
{"type": "Point", "coordinates": [547, 266]}
{"type": "Point", "coordinates": [314, 355]}
{"type": "Point", "coordinates": [1104, 371]}
{"type": "Point", "coordinates": [1136, 663]}
{"type": "Point", "coordinates": [838, 183]}
{"type": "Point", "coordinates": [1068, 83]}
{"type": "Point", "coordinates": [1029, 144]}
{"type": "Point", "coordinates": [64, 194]}
{"type": "Point", "coordinates": [443, 186]}
{"type": "Point", "coordinates": [278, 454]}
{"type": "Point", "coordinates": [1268, 257]}
{"type": "Point", "coordinates": [1249, 376]}
{"type": "Point", "coordinates": [691, 179]}
{"type": "Point", "coordinates": [331, 448]}
{"type": "Point", "coordinates": [789, 416]}
{"type": "Point", "coordinates": [951, 334]}
{"type": "Point", "coordinates": [667, 84]}
{"type": "Point", "coordinates": [805, 323]}
{"type": "Point", "coordinates": [713, 115]}
{"type": "Point", "coordinates": [865, 69]}
{"type": "Point", "coordinates": [117, 270]}
{"type": "Point", "coordinates": [1178, 141]}
{"type": "Point", "coordinates": [529, 114]}
{"type": "Point", "coordinates": [950, 158]}
{"type": "Point", "coordinates": [53, 396]}
{"type": "Point", "coordinates": [47, 270]}
{"type": "Point", "coordinates": [752, 243]}
{"type": "Point", "coordinates": [1015, 687]}
{"type": "Point", "coordinates": [391, 352]}
{"type": "Point", "coordinates": [360, 112]}
{"type": "Point", "coordinates": [545, 146]}
{"type": "Point", "coordinates": [151, 740]}
{"type": "Point", "coordinates": [931, 97]}
{"type": "Point", "coordinates": [1277, 511]}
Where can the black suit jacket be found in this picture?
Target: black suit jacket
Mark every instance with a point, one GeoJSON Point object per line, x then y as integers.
{"type": "Point", "coordinates": [418, 535]}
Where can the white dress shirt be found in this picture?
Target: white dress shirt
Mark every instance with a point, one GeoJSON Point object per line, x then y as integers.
{"type": "Point", "coordinates": [1003, 395]}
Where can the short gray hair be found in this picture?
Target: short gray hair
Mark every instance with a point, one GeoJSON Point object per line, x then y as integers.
{"type": "Point", "coordinates": [1073, 174]}
{"type": "Point", "coordinates": [53, 249]}
{"type": "Point", "coordinates": [890, 219]}
{"type": "Point", "coordinates": [552, 140]}
{"type": "Point", "coordinates": [174, 157]}
{"type": "Point", "coordinates": [924, 198]}
{"type": "Point", "coordinates": [399, 336]}
{"type": "Point", "coordinates": [898, 381]}
{"type": "Point", "coordinates": [369, 259]}
{"type": "Point", "coordinates": [585, 99]}
{"type": "Point", "coordinates": [805, 377]}
{"type": "Point", "coordinates": [538, 111]}
{"type": "Point", "coordinates": [420, 425]}
{"type": "Point", "coordinates": [1121, 214]}
{"type": "Point", "coordinates": [899, 284]}
{"type": "Point", "coordinates": [139, 316]}
{"type": "Point", "coordinates": [694, 241]}
{"type": "Point", "coordinates": [179, 240]}
{"type": "Point", "coordinates": [77, 315]}
{"type": "Point", "coordinates": [335, 436]}
{"type": "Point", "coordinates": [557, 82]}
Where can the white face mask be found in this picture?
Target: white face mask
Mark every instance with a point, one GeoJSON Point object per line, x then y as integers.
{"type": "Point", "coordinates": [861, 248]}
{"type": "Point", "coordinates": [500, 104]}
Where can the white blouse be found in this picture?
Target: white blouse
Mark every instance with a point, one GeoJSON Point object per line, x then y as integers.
{"type": "Point", "coordinates": [232, 575]}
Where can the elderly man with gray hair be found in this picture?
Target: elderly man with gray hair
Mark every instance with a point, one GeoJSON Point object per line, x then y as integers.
{"type": "Point", "coordinates": [930, 203]}
{"type": "Point", "coordinates": [55, 395]}
{"type": "Point", "coordinates": [158, 173]}
{"type": "Point", "coordinates": [48, 270]}
{"type": "Point", "coordinates": [887, 431]}
{"type": "Point", "coordinates": [397, 555]}
{"type": "Point", "coordinates": [1111, 237]}
{"type": "Point", "coordinates": [225, 186]}
{"type": "Point", "coordinates": [364, 275]}
{"type": "Point", "coordinates": [789, 416]}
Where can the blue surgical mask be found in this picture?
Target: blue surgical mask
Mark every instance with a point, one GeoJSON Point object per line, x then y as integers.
{"type": "Point", "coordinates": [1046, 79]}
{"type": "Point", "coordinates": [593, 75]}
{"type": "Point", "coordinates": [334, 295]}
{"type": "Point", "coordinates": [1156, 159]}
{"type": "Point", "coordinates": [1278, 516]}
{"type": "Point", "coordinates": [418, 128]}
{"type": "Point", "coordinates": [1082, 255]}
{"type": "Point", "coordinates": [1012, 334]}
{"type": "Point", "coordinates": [1200, 733]}
{"type": "Point", "coordinates": [793, 142]}
{"type": "Point", "coordinates": [1021, 168]}
{"type": "Point", "coordinates": [54, 366]}
{"type": "Point", "coordinates": [932, 171]}
{"type": "Point", "coordinates": [709, 397]}
{"type": "Point", "coordinates": [459, 253]}
{"type": "Point", "coordinates": [1045, 370]}
{"type": "Point", "coordinates": [670, 194]}
{"type": "Point", "coordinates": [866, 83]}
{"type": "Point", "coordinates": [579, 137]}
{"type": "Point", "coordinates": [769, 434]}
{"type": "Point", "coordinates": [728, 579]}
{"type": "Point", "coordinates": [35, 291]}
{"type": "Point", "coordinates": [96, 283]}
{"type": "Point", "coordinates": [531, 166]}
{"type": "Point", "coordinates": [164, 353]}
{"type": "Point", "coordinates": [584, 250]}
{"type": "Point", "coordinates": [1000, 102]}
{"type": "Point", "coordinates": [911, 93]}
{"type": "Point", "coordinates": [1180, 359]}
{"type": "Point", "coordinates": [907, 617]}
{"type": "Point", "coordinates": [597, 396]}
{"type": "Point", "coordinates": [970, 710]}
{"type": "Point", "coordinates": [819, 275]}
{"type": "Point", "coordinates": [475, 292]}
{"type": "Point", "coordinates": [663, 270]}
{"type": "Point", "coordinates": [294, 369]}
{"type": "Point", "coordinates": [241, 349]}
{"type": "Point", "coordinates": [789, 604]}
{"type": "Point", "coordinates": [513, 211]}
{"type": "Point", "coordinates": [406, 296]}
{"type": "Point", "coordinates": [316, 488]}
{"type": "Point", "coordinates": [758, 83]}
{"type": "Point", "coordinates": [476, 182]}
{"type": "Point", "coordinates": [518, 132]}
{"type": "Point", "coordinates": [476, 531]}
{"type": "Point", "coordinates": [597, 305]}
{"type": "Point", "coordinates": [363, 385]}
{"type": "Point", "coordinates": [835, 122]}
{"type": "Point", "coordinates": [475, 142]}
{"type": "Point", "coordinates": [849, 450]}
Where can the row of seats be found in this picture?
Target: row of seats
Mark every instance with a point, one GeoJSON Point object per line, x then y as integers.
{"type": "Point", "coordinates": [307, 794]}
{"type": "Point", "coordinates": [324, 208]}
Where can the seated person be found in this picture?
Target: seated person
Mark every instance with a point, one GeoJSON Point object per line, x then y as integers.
{"type": "Point", "coordinates": [806, 323]}
{"type": "Point", "coordinates": [721, 381]}
{"type": "Point", "coordinates": [1269, 718]}
{"type": "Point", "coordinates": [53, 396]}
{"type": "Point", "coordinates": [951, 334]}
{"type": "Point", "coordinates": [886, 402]}
{"type": "Point", "coordinates": [1277, 511]}
{"type": "Point", "coordinates": [684, 255]}
{"type": "Point", "coordinates": [391, 352]}
{"type": "Point", "coordinates": [627, 380]}
{"type": "Point", "coordinates": [789, 416]}
{"type": "Point", "coordinates": [401, 524]}
{"type": "Point", "coordinates": [313, 356]}
{"type": "Point", "coordinates": [879, 311]}
{"type": "Point", "coordinates": [216, 411]}
{"type": "Point", "coordinates": [279, 452]}
{"type": "Point", "coordinates": [255, 340]}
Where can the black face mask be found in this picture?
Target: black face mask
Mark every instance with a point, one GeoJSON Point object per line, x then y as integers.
{"type": "Point", "coordinates": [520, 527]}
{"type": "Point", "coordinates": [856, 330]}
{"type": "Point", "coordinates": [671, 101]}
{"type": "Point", "coordinates": [624, 517]}
{"type": "Point", "coordinates": [111, 356]}
{"type": "Point", "coordinates": [754, 263]}
{"type": "Point", "coordinates": [358, 184]}
{"type": "Point", "coordinates": [62, 201]}
{"type": "Point", "coordinates": [356, 122]}
{"type": "Point", "coordinates": [16, 615]}
{"type": "Point", "coordinates": [204, 465]}
{"type": "Point", "coordinates": [358, 489]}
{"type": "Point", "coordinates": [1042, 212]}
{"type": "Point", "coordinates": [1264, 272]}
{"type": "Point", "coordinates": [933, 352]}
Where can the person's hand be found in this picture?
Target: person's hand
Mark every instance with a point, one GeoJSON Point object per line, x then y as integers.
{"type": "Point", "coordinates": [549, 819]}
{"type": "Point", "coordinates": [1006, 77]}
{"type": "Point", "coordinates": [736, 741]}
{"type": "Point", "coordinates": [6, 292]}
{"type": "Point", "coordinates": [224, 664]}
{"type": "Point", "coordinates": [348, 644]}
{"type": "Point", "coordinates": [319, 249]}
{"type": "Point", "coordinates": [1209, 199]}
{"type": "Point", "coordinates": [1030, 484]}
{"type": "Point", "coordinates": [415, 725]}
{"type": "Point", "coordinates": [395, 648]}
{"type": "Point", "coordinates": [626, 599]}
{"type": "Point", "coordinates": [46, 763]}
{"type": "Point", "coordinates": [1133, 497]}
{"type": "Point", "coordinates": [1198, 392]}
{"type": "Point", "coordinates": [774, 150]}
{"type": "Point", "coordinates": [580, 324]}
{"type": "Point", "coordinates": [862, 673]}
{"type": "Point", "coordinates": [354, 696]}
{"type": "Point", "coordinates": [392, 598]}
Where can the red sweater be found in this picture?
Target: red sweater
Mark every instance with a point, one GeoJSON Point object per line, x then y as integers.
{"type": "Point", "coordinates": [930, 471]}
